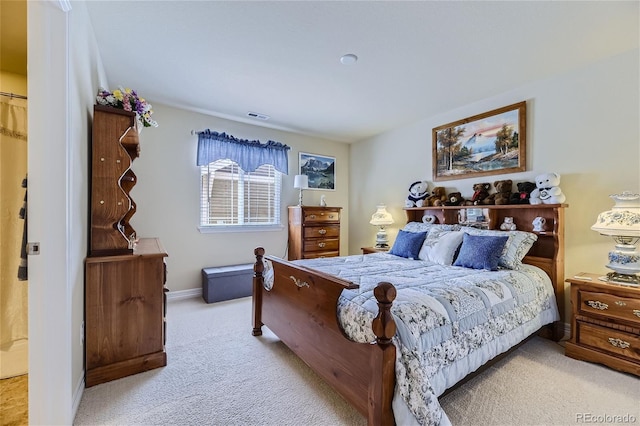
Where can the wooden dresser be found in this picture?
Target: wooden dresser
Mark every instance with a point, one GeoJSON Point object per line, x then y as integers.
{"type": "Point", "coordinates": [125, 293]}
{"type": "Point", "coordinates": [605, 323]}
{"type": "Point", "coordinates": [314, 231]}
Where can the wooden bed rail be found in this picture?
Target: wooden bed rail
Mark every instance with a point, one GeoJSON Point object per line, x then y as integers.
{"type": "Point", "coordinates": [301, 308]}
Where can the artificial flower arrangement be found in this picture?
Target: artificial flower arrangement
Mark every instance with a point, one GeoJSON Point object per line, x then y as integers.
{"type": "Point", "coordinates": [128, 100]}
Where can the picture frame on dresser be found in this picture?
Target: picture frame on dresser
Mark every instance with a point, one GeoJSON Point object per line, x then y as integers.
{"type": "Point", "coordinates": [490, 143]}
{"type": "Point", "coordinates": [320, 169]}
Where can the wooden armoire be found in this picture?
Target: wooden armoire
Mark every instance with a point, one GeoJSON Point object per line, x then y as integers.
{"type": "Point", "coordinates": [125, 294]}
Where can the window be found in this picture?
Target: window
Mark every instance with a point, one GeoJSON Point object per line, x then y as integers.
{"type": "Point", "coordinates": [232, 199]}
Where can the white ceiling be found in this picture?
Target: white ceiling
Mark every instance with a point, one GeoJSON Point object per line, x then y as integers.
{"type": "Point", "coordinates": [416, 59]}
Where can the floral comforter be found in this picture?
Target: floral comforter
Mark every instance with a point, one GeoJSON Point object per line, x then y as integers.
{"type": "Point", "coordinates": [450, 320]}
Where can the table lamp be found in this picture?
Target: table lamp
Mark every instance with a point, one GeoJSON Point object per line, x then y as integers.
{"type": "Point", "coordinates": [301, 182]}
{"type": "Point", "coordinates": [622, 223]}
{"type": "Point", "coordinates": [381, 218]}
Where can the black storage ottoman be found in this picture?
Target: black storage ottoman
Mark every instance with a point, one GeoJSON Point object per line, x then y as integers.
{"type": "Point", "coordinates": [227, 282]}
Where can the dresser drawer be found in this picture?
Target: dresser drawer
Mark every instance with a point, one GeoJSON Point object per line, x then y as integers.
{"type": "Point", "coordinates": [608, 340]}
{"type": "Point", "coordinates": [610, 306]}
{"type": "Point", "coordinates": [322, 244]}
{"type": "Point", "coordinates": [321, 216]}
{"type": "Point", "coordinates": [317, 254]}
{"type": "Point", "coordinates": [329, 231]}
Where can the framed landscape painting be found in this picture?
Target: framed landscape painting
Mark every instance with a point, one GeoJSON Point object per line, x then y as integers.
{"type": "Point", "coordinates": [320, 169]}
{"type": "Point", "coordinates": [486, 144]}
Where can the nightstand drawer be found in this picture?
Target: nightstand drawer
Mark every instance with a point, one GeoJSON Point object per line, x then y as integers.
{"type": "Point", "coordinates": [610, 305]}
{"type": "Point", "coordinates": [321, 245]}
{"type": "Point", "coordinates": [329, 231]}
{"type": "Point", "coordinates": [608, 340]}
{"type": "Point", "coordinates": [321, 216]}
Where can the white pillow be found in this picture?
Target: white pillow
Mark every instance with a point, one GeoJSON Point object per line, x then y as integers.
{"type": "Point", "coordinates": [440, 246]}
{"type": "Point", "coordinates": [516, 247]}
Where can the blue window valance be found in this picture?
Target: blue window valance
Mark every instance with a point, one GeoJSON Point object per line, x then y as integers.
{"type": "Point", "coordinates": [249, 155]}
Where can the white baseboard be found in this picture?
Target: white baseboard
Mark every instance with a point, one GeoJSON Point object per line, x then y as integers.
{"type": "Point", "coordinates": [77, 395]}
{"type": "Point", "coordinates": [191, 293]}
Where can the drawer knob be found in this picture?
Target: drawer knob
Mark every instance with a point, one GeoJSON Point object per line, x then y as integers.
{"type": "Point", "coordinates": [322, 231]}
{"type": "Point", "coordinates": [619, 343]}
{"type": "Point", "coordinates": [312, 216]}
{"type": "Point", "coordinates": [321, 245]}
{"type": "Point", "coordinates": [596, 304]}
{"type": "Point", "coordinates": [636, 312]}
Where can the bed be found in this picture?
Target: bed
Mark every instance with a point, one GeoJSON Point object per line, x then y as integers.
{"type": "Point", "coordinates": [391, 332]}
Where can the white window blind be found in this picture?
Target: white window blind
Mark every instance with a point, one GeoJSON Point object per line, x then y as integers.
{"type": "Point", "coordinates": [231, 197]}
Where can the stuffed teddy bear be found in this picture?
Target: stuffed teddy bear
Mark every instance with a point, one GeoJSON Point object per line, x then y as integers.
{"type": "Point", "coordinates": [480, 193]}
{"type": "Point", "coordinates": [508, 224]}
{"type": "Point", "coordinates": [503, 192]}
{"type": "Point", "coordinates": [418, 193]}
{"type": "Point", "coordinates": [438, 197]}
{"type": "Point", "coordinates": [523, 194]}
{"type": "Point", "coordinates": [547, 190]}
{"type": "Point", "coordinates": [454, 199]}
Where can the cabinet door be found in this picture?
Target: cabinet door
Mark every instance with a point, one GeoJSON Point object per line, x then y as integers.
{"type": "Point", "coordinates": [124, 309]}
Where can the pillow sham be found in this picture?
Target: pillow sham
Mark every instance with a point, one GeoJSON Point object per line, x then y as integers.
{"type": "Point", "coordinates": [515, 249]}
{"type": "Point", "coordinates": [480, 252]}
{"type": "Point", "coordinates": [407, 244]}
{"type": "Point", "coordinates": [440, 246]}
{"type": "Point", "coordinates": [425, 227]}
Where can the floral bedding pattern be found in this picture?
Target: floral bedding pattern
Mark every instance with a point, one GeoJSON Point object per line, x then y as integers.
{"type": "Point", "coordinates": [450, 320]}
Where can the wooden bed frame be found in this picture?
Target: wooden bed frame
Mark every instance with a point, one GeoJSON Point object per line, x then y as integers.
{"type": "Point", "coordinates": [301, 309]}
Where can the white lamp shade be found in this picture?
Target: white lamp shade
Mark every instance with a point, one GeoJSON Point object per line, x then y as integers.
{"type": "Point", "coordinates": [301, 182]}
{"type": "Point", "coordinates": [381, 216]}
{"type": "Point", "coordinates": [623, 219]}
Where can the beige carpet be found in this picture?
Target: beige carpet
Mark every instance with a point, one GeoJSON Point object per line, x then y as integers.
{"type": "Point", "coordinates": [218, 374]}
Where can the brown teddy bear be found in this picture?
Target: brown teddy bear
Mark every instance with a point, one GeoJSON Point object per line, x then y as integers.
{"type": "Point", "coordinates": [454, 199]}
{"type": "Point", "coordinates": [503, 192]}
{"type": "Point", "coordinates": [480, 194]}
{"type": "Point", "coordinates": [438, 196]}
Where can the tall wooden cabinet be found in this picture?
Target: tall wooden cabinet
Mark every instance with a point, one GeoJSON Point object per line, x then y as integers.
{"type": "Point", "coordinates": [125, 293]}
{"type": "Point", "coordinates": [314, 231]}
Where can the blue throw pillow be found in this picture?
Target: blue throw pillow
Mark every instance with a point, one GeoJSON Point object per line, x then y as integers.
{"type": "Point", "coordinates": [408, 244]}
{"type": "Point", "coordinates": [480, 252]}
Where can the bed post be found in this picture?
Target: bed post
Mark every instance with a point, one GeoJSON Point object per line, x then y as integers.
{"type": "Point", "coordinates": [258, 281]}
{"type": "Point", "coordinates": [382, 382]}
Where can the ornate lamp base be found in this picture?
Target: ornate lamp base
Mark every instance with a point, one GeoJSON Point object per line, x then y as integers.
{"type": "Point", "coordinates": [627, 279]}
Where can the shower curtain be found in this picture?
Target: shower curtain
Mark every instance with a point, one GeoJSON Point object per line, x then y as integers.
{"type": "Point", "coordinates": [13, 169]}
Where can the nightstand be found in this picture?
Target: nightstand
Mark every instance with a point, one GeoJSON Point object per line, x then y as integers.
{"type": "Point", "coordinates": [605, 323]}
{"type": "Point", "coordinates": [369, 250]}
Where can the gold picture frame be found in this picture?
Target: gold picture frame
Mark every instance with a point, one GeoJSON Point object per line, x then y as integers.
{"type": "Point", "coordinates": [486, 144]}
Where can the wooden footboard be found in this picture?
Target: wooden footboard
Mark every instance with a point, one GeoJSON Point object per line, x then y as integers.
{"type": "Point", "coordinates": [301, 309]}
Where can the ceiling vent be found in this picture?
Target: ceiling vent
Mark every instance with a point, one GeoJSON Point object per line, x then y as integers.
{"type": "Point", "coordinates": [258, 116]}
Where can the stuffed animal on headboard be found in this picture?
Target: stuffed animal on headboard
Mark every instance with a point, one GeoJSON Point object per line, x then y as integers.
{"type": "Point", "coordinates": [480, 194]}
{"type": "Point", "coordinates": [547, 190]}
{"type": "Point", "coordinates": [438, 197]}
{"type": "Point", "coordinates": [418, 193]}
{"type": "Point", "coordinates": [523, 194]}
{"type": "Point", "coordinates": [502, 194]}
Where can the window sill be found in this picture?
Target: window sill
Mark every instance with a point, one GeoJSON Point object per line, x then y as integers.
{"type": "Point", "coordinates": [239, 228]}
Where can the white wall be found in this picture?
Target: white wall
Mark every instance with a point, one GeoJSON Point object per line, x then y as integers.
{"type": "Point", "coordinates": [583, 125]}
{"type": "Point", "coordinates": [64, 70]}
{"type": "Point", "coordinates": [167, 193]}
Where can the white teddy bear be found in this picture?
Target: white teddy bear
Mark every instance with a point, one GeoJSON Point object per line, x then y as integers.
{"type": "Point", "coordinates": [418, 192]}
{"type": "Point", "coordinates": [548, 190]}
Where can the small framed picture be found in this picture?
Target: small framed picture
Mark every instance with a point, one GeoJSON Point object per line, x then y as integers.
{"type": "Point", "coordinates": [320, 169]}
